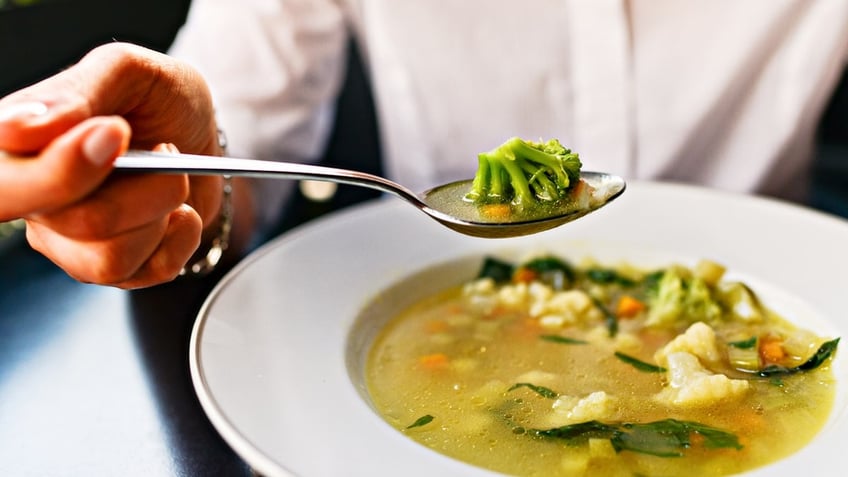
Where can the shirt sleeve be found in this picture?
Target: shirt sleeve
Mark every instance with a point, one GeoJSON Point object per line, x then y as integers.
{"type": "Point", "coordinates": [274, 68]}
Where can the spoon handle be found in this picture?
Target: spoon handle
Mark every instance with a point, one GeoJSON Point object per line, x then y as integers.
{"type": "Point", "coordinates": [170, 163]}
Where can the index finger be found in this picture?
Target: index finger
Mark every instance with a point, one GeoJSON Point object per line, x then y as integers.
{"type": "Point", "coordinates": [114, 79]}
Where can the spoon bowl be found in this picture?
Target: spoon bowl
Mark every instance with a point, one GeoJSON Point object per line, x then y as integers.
{"type": "Point", "coordinates": [445, 204]}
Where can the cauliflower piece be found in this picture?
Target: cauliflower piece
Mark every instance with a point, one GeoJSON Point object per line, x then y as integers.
{"type": "Point", "coordinates": [513, 295]}
{"type": "Point", "coordinates": [699, 340]}
{"type": "Point", "coordinates": [539, 291]}
{"type": "Point", "coordinates": [552, 321]}
{"type": "Point", "coordinates": [571, 305]}
{"type": "Point", "coordinates": [601, 449]}
{"type": "Point", "coordinates": [478, 287]}
{"type": "Point", "coordinates": [691, 385]}
{"type": "Point", "coordinates": [571, 410]}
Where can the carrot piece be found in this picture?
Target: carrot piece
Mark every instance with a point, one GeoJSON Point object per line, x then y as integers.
{"type": "Point", "coordinates": [579, 189]}
{"type": "Point", "coordinates": [628, 307]}
{"type": "Point", "coordinates": [524, 275]}
{"type": "Point", "coordinates": [433, 361]}
{"type": "Point", "coordinates": [771, 349]}
{"type": "Point", "coordinates": [496, 211]}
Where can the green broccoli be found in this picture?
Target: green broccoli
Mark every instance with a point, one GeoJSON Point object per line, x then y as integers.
{"type": "Point", "coordinates": [681, 296]}
{"type": "Point", "coordinates": [525, 173]}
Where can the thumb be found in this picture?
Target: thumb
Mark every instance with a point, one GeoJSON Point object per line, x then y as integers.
{"type": "Point", "coordinates": [68, 169]}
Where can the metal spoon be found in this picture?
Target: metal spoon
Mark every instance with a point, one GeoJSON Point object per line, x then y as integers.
{"type": "Point", "coordinates": [444, 203]}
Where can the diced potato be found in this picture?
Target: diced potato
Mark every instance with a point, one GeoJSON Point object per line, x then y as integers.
{"type": "Point", "coordinates": [601, 449]}
{"type": "Point", "coordinates": [710, 272]}
{"type": "Point", "coordinates": [742, 301]}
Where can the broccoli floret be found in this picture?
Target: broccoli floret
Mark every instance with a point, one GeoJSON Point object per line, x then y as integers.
{"type": "Point", "coordinates": [680, 296]}
{"type": "Point", "coordinates": [525, 173]}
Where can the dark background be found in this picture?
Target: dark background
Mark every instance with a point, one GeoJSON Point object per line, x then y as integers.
{"type": "Point", "coordinates": [39, 39]}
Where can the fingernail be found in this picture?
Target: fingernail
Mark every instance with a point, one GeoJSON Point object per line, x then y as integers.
{"type": "Point", "coordinates": [102, 145]}
{"type": "Point", "coordinates": [167, 147]}
{"type": "Point", "coordinates": [22, 110]}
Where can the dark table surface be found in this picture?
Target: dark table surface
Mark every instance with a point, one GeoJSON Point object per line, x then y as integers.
{"type": "Point", "coordinates": [95, 380]}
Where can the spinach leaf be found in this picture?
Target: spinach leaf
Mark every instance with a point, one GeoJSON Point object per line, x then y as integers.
{"type": "Point", "coordinates": [563, 340]}
{"type": "Point", "coordinates": [583, 430]}
{"type": "Point", "coordinates": [540, 390]}
{"type": "Point", "coordinates": [651, 282]}
{"type": "Point", "coordinates": [610, 319]}
{"type": "Point", "coordinates": [744, 344]}
{"type": "Point", "coordinates": [556, 273]}
{"type": "Point", "coordinates": [670, 437]}
{"type": "Point", "coordinates": [666, 438]}
{"type": "Point", "coordinates": [421, 421]}
{"type": "Point", "coordinates": [640, 365]}
{"type": "Point", "coordinates": [824, 352]}
{"type": "Point", "coordinates": [497, 270]}
{"type": "Point", "coordinates": [608, 276]}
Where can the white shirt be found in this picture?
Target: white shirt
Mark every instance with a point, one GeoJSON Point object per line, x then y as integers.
{"type": "Point", "coordinates": [723, 93]}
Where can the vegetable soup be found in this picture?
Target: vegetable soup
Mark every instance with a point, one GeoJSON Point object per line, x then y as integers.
{"type": "Point", "coordinates": [549, 368]}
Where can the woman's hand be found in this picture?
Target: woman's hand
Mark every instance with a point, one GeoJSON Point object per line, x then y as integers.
{"type": "Point", "coordinates": [126, 230]}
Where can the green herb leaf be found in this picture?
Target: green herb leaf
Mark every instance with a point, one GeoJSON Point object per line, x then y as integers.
{"type": "Point", "coordinates": [421, 421]}
{"type": "Point", "coordinates": [824, 352]}
{"type": "Point", "coordinates": [548, 264]}
{"type": "Point", "coordinates": [609, 318]}
{"type": "Point", "coordinates": [666, 438]}
{"type": "Point", "coordinates": [563, 340]}
{"type": "Point", "coordinates": [583, 430]}
{"type": "Point", "coordinates": [556, 273]}
{"type": "Point", "coordinates": [640, 365]}
{"type": "Point", "coordinates": [497, 270]}
{"type": "Point", "coordinates": [540, 390]}
{"type": "Point", "coordinates": [670, 437]}
{"type": "Point", "coordinates": [608, 276]}
{"type": "Point", "coordinates": [745, 344]}
{"type": "Point", "coordinates": [651, 282]}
